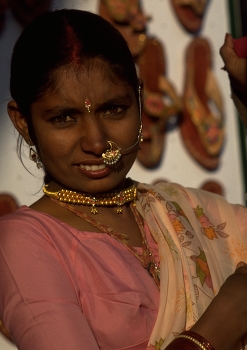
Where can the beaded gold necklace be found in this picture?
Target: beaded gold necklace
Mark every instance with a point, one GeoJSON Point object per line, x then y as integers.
{"type": "Point", "coordinates": [116, 198]}
{"type": "Point", "coordinates": [146, 258]}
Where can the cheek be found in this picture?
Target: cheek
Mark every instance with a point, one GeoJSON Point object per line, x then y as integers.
{"type": "Point", "coordinates": [51, 146]}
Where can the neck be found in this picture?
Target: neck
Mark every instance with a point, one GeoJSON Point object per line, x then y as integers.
{"type": "Point", "coordinates": [117, 197]}
{"type": "Point", "coordinates": [56, 186]}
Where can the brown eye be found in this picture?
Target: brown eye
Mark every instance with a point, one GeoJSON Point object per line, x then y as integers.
{"type": "Point", "coordinates": [63, 119]}
{"type": "Point", "coordinates": [114, 110]}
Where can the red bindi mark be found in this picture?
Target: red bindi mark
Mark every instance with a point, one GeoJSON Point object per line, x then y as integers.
{"type": "Point", "coordinates": [88, 104]}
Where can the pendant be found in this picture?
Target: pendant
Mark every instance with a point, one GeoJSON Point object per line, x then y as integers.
{"type": "Point", "coordinates": [154, 272]}
{"type": "Point", "coordinates": [94, 210]}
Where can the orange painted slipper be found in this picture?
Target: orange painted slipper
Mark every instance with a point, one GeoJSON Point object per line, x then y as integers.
{"type": "Point", "coordinates": [7, 204]}
{"type": "Point", "coordinates": [156, 111]}
{"type": "Point", "coordinates": [5, 332]}
{"type": "Point", "coordinates": [127, 16]}
{"type": "Point", "coordinates": [190, 13]}
{"type": "Point", "coordinates": [202, 123]}
{"type": "Point", "coordinates": [213, 186]}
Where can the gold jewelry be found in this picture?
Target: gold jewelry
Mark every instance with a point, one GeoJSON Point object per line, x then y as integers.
{"type": "Point", "coordinates": [88, 104]}
{"type": "Point", "coordinates": [112, 155]}
{"type": "Point", "coordinates": [145, 257]}
{"type": "Point", "coordinates": [115, 198]}
{"type": "Point", "coordinates": [197, 339]}
{"type": "Point", "coordinates": [202, 347]}
{"type": "Point", "coordinates": [33, 155]}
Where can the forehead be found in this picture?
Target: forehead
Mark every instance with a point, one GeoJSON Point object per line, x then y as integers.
{"type": "Point", "coordinates": [74, 85]}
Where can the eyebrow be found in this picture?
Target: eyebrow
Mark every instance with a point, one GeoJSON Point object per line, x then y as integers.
{"type": "Point", "coordinates": [62, 110]}
{"type": "Point", "coordinates": [115, 101]}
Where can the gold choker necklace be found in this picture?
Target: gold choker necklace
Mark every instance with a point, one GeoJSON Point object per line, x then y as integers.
{"type": "Point", "coordinates": [115, 198]}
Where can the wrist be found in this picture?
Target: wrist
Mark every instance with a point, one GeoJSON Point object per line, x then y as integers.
{"type": "Point", "coordinates": [190, 340]}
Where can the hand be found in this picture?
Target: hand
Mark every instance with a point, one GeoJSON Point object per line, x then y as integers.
{"type": "Point", "coordinates": [234, 65]}
{"type": "Point", "coordinates": [224, 323]}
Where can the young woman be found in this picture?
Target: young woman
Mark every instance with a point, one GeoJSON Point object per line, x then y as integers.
{"type": "Point", "coordinates": [102, 261]}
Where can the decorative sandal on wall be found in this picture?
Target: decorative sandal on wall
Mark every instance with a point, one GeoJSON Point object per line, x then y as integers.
{"type": "Point", "coordinates": [156, 110]}
{"type": "Point", "coordinates": [7, 204]}
{"type": "Point", "coordinates": [128, 17]}
{"type": "Point", "coordinates": [213, 186]}
{"type": "Point", "coordinates": [202, 126]}
{"type": "Point", "coordinates": [4, 332]}
{"type": "Point", "coordinates": [190, 13]}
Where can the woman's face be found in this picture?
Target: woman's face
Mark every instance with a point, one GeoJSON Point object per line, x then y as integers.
{"type": "Point", "coordinates": [71, 140]}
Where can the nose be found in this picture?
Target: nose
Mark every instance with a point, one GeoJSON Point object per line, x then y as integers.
{"type": "Point", "coordinates": [93, 139]}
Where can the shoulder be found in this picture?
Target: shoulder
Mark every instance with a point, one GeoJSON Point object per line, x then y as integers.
{"type": "Point", "coordinates": [25, 225]}
{"type": "Point", "coordinates": [191, 197]}
{"type": "Point", "coordinates": [174, 189]}
{"type": "Point", "coordinates": [25, 216]}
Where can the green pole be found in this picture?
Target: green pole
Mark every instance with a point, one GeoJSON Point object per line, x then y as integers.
{"type": "Point", "coordinates": [237, 31]}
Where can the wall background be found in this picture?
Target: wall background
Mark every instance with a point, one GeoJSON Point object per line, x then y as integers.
{"type": "Point", "coordinates": [177, 164]}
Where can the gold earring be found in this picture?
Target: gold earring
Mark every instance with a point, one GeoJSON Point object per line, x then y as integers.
{"type": "Point", "coordinates": [33, 155]}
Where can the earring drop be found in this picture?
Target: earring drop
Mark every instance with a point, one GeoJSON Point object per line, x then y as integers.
{"type": "Point", "coordinates": [140, 140]}
{"type": "Point", "coordinates": [33, 155]}
{"type": "Point", "coordinates": [88, 104]}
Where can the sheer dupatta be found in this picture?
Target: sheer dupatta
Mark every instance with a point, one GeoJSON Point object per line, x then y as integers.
{"type": "Point", "coordinates": [201, 238]}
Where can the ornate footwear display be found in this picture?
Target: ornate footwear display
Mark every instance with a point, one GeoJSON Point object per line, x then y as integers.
{"type": "Point", "coordinates": [213, 186]}
{"type": "Point", "coordinates": [7, 204]}
{"type": "Point", "coordinates": [156, 112]}
{"type": "Point", "coordinates": [127, 16]}
{"type": "Point", "coordinates": [202, 125]}
{"type": "Point", "coordinates": [190, 13]}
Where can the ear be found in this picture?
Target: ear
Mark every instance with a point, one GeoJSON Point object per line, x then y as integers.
{"type": "Point", "coordinates": [18, 120]}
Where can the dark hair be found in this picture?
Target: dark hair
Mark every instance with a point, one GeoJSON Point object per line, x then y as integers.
{"type": "Point", "coordinates": [61, 38]}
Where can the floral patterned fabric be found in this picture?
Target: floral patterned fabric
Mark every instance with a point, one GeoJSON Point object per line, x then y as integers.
{"type": "Point", "coordinates": [201, 238]}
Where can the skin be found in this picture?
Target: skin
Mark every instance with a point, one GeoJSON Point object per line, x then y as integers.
{"type": "Point", "coordinates": [70, 139]}
{"type": "Point", "coordinates": [236, 68]}
{"type": "Point", "coordinates": [223, 324]}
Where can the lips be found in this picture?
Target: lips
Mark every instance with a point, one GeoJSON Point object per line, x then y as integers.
{"type": "Point", "coordinates": [93, 167]}
{"type": "Point", "coordinates": [94, 171]}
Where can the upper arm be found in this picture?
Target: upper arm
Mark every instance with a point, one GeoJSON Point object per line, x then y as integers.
{"type": "Point", "coordinates": [38, 302]}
